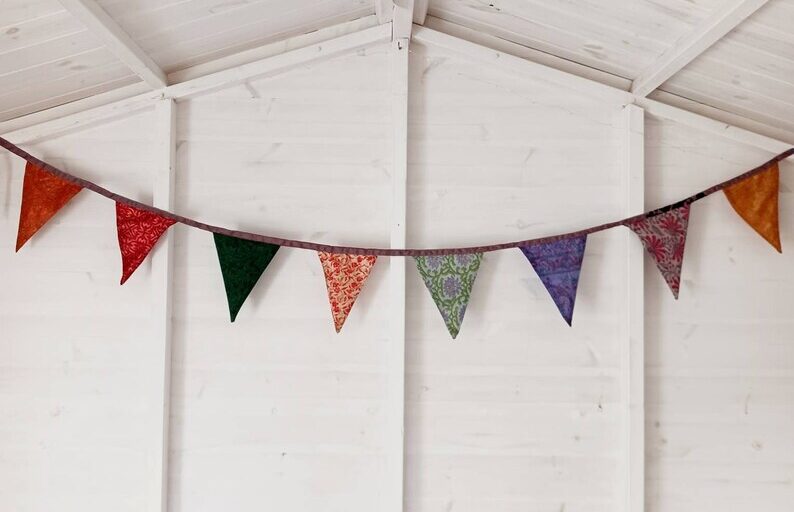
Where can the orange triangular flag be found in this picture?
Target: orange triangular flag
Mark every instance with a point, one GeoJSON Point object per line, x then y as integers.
{"type": "Point", "coordinates": [138, 231]}
{"type": "Point", "coordinates": [43, 194]}
{"type": "Point", "coordinates": [344, 277]}
{"type": "Point", "coordinates": [755, 199]}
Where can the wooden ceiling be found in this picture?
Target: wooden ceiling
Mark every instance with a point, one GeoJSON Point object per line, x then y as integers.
{"type": "Point", "coordinates": [50, 54]}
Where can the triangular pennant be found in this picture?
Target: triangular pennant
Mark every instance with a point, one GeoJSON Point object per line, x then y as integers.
{"type": "Point", "coordinates": [138, 231]}
{"type": "Point", "coordinates": [242, 263]}
{"type": "Point", "coordinates": [664, 237]}
{"type": "Point", "coordinates": [558, 264]}
{"type": "Point", "coordinates": [344, 277]}
{"type": "Point", "coordinates": [450, 279]}
{"type": "Point", "coordinates": [43, 194]}
{"type": "Point", "coordinates": [755, 199]}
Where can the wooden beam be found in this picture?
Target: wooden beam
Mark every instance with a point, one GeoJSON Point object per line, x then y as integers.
{"type": "Point", "coordinates": [633, 336]}
{"type": "Point", "coordinates": [688, 48]}
{"type": "Point", "coordinates": [99, 23]}
{"type": "Point", "coordinates": [420, 11]}
{"type": "Point", "coordinates": [398, 60]}
{"type": "Point", "coordinates": [384, 10]}
{"type": "Point", "coordinates": [163, 197]}
{"type": "Point", "coordinates": [403, 21]}
{"type": "Point", "coordinates": [208, 83]}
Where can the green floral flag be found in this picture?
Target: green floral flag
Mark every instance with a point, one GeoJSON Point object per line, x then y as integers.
{"type": "Point", "coordinates": [242, 263]}
{"type": "Point", "coordinates": [450, 279]}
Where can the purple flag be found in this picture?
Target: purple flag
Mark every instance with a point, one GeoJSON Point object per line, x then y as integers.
{"type": "Point", "coordinates": [664, 237]}
{"type": "Point", "coordinates": [558, 264]}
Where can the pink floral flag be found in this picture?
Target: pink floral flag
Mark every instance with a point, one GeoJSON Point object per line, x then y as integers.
{"type": "Point", "coordinates": [664, 237]}
{"type": "Point", "coordinates": [344, 277]}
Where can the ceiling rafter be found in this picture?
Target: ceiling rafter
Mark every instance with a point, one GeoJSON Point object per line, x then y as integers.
{"type": "Point", "coordinates": [420, 11]}
{"type": "Point", "coordinates": [688, 48]}
{"type": "Point", "coordinates": [115, 39]}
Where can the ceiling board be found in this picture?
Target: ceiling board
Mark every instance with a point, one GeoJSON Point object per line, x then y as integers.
{"type": "Point", "coordinates": [617, 36]}
{"type": "Point", "coordinates": [750, 71]}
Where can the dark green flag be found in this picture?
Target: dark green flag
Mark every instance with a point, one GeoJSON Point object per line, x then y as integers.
{"type": "Point", "coordinates": [242, 262]}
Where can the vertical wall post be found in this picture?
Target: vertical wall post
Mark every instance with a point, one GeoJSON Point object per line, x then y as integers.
{"type": "Point", "coordinates": [396, 402]}
{"type": "Point", "coordinates": [633, 348]}
{"type": "Point", "coordinates": [163, 197]}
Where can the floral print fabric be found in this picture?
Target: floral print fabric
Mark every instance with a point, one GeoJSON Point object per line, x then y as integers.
{"type": "Point", "coordinates": [558, 265]}
{"type": "Point", "coordinates": [344, 277]}
{"type": "Point", "coordinates": [450, 279]}
{"type": "Point", "coordinates": [138, 231]}
{"type": "Point", "coordinates": [664, 237]}
{"type": "Point", "coordinates": [43, 194]}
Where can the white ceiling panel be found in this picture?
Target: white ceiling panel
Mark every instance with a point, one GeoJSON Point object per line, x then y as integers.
{"type": "Point", "coordinates": [749, 72]}
{"type": "Point", "coordinates": [180, 34]}
{"type": "Point", "coordinates": [621, 37]}
{"type": "Point", "coordinates": [48, 58]}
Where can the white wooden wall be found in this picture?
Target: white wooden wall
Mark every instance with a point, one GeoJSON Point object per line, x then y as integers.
{"type": "Point", "coordinates": [276, 411]}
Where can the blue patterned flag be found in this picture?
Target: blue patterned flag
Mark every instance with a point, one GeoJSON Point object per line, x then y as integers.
{"type": "Point", "coordinates": [558, 264]}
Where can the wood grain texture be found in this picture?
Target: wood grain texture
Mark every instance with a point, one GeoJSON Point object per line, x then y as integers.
{"type": "Point", "coordinates": [719, 360]}
{"type": "Point", "coordinates": [74, 348]}
{"type": "Point", "coordinates": [520, 412]}
{"type": "Point", "coordinates": [276, 409]}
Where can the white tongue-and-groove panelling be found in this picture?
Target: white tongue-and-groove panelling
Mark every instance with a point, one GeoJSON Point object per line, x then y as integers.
{"type": "Point", "coordinates": [276, 411]}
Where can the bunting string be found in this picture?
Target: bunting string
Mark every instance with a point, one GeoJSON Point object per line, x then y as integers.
{"type": "Point", "coordinates": [338, 249]}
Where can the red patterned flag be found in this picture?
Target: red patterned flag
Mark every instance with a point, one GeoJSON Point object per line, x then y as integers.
{"type": "Point", "coordinates": [755, 199]}
{"type": "Point", "coordinates": [138, 231]}
{"type": "Point", "coordinates": [664, 237]}
{"type": "Point", "coordinates": [43, 194]}
{"type": "Point", "coordinates": [344, 277]}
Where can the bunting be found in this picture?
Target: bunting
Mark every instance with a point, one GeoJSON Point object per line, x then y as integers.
{"type": "Point", "coordinates": [450, 279]}
{"type": "Point", "coordinates": [558, 265]}
{"type": "Point", "coordinates": [43, 195]}
{"type": "Point", "coordinates": [242, 263]}
{"type": "Point", "coordinates": [664, 237]}
{"type": "Point", "coordinates": [448, 273]}
{"type": "Point", "coordinates": [344, 277]}
{"type": "Point", "coordinates": [138, 231]}
{"type": "Point", "coordinates": [755, 199]}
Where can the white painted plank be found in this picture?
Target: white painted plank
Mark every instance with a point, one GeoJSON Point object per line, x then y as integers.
{"type": "Point", "coordinates": [162, 197]}
{"type": "Point", "coordinates": [633, 361]}
{"type": "Point", "coordinates": [398, 60]}
{"type": "Point", "coordinates": [687, 49]}
{"type": "Point", "coordinates": [117, 41]}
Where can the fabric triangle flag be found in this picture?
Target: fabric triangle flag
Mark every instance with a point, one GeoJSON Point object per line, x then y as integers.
{"type": "Point", "coordinates": [344, 277]}
{"type": "Point", "coordinates": [755, 199]}
{"type": "Point", "coordinates": [450, 279]}
{"type": "Point", "coordinates": [242, 263]}
{"type": "Point", "coordinates": [558, 265]}
{"type": "Point", "coordinates": [138, 231]}
{"type": "Point", "coordinates": [43, 194]}
{"type": "Point", "coordinates": [664, 237]}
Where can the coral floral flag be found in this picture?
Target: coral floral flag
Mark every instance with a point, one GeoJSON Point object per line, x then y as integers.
{"type": "Point", "coordinates": [755, 199]}
{"type": "Point", "coordinates": [43, 194]}
{"type": "Point", "coordinates": [558, 265]}
{"type": "Point", "coordinates": [449, 279]}
{"type": "Point", "coordinates": [664, 237]}
{"type": "Point", "coordinates": [344, 277]}
{"type": "Point", "coordinates": [138, 231]}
